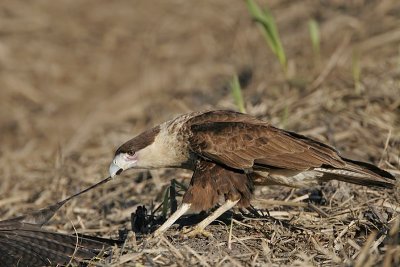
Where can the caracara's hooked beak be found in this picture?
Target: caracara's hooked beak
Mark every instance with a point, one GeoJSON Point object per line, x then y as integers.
{"type": "Point", "coordinates": [122, 162]}
{"type": "Point", "coordinates": [114, 169]}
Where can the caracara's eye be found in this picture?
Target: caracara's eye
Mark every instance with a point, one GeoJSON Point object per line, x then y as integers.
{"type": "Point", "coordinates": [131, 153]}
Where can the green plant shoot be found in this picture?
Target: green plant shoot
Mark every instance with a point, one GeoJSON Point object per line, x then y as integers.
{"type": "Point", "coordinates": [313, 28]}
{"type": "Point", "coordinates": [269, 29]}
{"type": "Point", "coordinates": [237, 93]}
{"type": "Point", "coordinates": [356, 71]}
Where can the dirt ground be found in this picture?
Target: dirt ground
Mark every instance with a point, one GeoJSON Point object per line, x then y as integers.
{"type": "Point", "coordinates": [78, 78]}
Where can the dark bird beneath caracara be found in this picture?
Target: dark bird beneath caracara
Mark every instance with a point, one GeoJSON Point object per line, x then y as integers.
{"type": "Point", "coordinates": [24, 243]}
{"type": "Point", "coordinates": [230, 152]}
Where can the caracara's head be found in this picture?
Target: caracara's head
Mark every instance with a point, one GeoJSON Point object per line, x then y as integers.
{"type": "Point", "coordinates": [135, 153]}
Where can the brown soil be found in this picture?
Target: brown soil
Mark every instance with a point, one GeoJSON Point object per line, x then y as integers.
{"type": "Point", "coordinates": [77, 78]}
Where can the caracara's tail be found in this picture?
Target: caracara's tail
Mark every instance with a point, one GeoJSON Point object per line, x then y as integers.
{"type": "Point", "coordinates": [362, 173]}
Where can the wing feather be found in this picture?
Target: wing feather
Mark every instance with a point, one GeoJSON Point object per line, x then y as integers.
{"type": "Point", "coordinates": [243, 142]}
{"type": "Point", "coordinates": [241, 145]}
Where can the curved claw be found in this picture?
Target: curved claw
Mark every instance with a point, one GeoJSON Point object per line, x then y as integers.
{"type": "Point", "coordinates": [195, 231]}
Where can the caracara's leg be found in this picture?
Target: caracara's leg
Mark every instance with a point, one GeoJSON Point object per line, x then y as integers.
{"type": "Point", "coordinates": [199, 228]}
{"type": "Point", "coordinates": [172, 219]}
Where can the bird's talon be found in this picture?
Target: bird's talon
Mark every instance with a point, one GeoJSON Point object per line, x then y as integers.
{"type": "Point", "coordinates": [194, 232]}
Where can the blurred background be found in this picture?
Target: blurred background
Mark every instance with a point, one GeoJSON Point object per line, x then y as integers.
{"type": "Point", "coordinates": [78, 78]}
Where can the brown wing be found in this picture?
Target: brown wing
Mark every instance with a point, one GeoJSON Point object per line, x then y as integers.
{"type": "Point", "coordinates": [202, 117]}
{"type": "Point", "coordinates": [240, 141]}
{"type": "Point", "coordinates": [242, 145]}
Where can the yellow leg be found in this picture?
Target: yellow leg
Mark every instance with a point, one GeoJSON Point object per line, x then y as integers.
{"type": "Point", "coordinates": [172, 219]}
{"type": "Point", "coordinates": [199, 228]}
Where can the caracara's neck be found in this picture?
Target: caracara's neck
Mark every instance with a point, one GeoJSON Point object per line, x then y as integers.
{"type": "Point", "coordinates": [169, 148]}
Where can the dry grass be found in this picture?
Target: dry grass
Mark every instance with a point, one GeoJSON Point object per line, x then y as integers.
{"type": "Point", "coordinates": [79, 77]}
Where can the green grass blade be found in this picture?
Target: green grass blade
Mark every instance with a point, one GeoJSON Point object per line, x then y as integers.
{"type": "Point", "coordinates": [172, 196]}
{"type": "Point", "coordinates": [356, 71]}
{"type": "Point", "coordinates": [180, 185]}
{"type": "Point", "coordinates": [284, 117]}
{"type": "Point", "coordinates": [398, 59]}
{"type": "Point", "coordinates": [275, 36]}
{"type": "Point", "coordinates": [258, 15]}
{"type": "Point", "coordinates": [165, 204]}
{"type": "Point", "coordinates": [269, 30]}
{"type": "Point", "coordinates": [237, 94]}
{"type": "Point", "coordinates": [313, 28]}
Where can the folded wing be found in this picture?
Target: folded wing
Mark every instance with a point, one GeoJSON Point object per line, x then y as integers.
{"type": "Point", "coordinates": [241, 144]}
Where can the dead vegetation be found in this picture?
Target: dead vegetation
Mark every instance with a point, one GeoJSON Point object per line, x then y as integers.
{"type": "Point", "coordinates": [78, 78]}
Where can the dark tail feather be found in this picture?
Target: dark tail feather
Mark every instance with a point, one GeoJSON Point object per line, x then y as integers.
{"type": "Point", "coordinates": [24, 243]}
{"type": "Point", "coordinates": [361, 173]}
{"type": "Point", "coordinates": [27, 245]}
{"type": "Point", "coordinates": [371, 168]}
